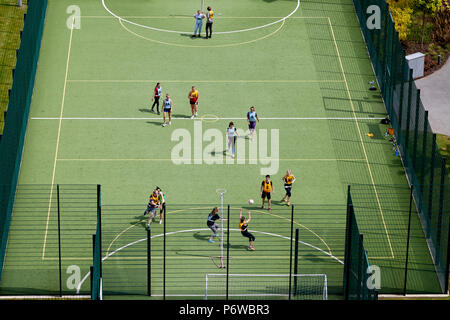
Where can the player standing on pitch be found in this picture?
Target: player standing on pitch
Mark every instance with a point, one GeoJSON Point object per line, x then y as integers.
{"type": "Point", "coordinates": [199, 16]}
{"type": "Point", "coordinates": [211, 223]}
{"type": "Point", "coordinates": [252, 117]}
{"type": "Point", "coordinates": [209, 22]}
{"type": "Point", "coordinates": [156, 95]}
{"type": "Point", "coordinates": [167, 105]}
{"type": "Point", "coordinates": [193, 101]}
{"type": "Point", "coordinates": [231, 136]}
{"type": "Point", "coordinates": [266, 189]}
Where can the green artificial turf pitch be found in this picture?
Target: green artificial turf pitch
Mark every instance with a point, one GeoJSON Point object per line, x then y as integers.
{"type": "Point", "coordinates": [304, 67]}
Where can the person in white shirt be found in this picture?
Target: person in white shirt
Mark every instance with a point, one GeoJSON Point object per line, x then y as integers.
{"type": "Point", "coordinates": [199, 16]}
{"type": "Point", "coordinates": [231, 136]}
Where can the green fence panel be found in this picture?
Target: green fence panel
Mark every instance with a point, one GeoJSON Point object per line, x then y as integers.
{"type": "Point", "coordinates": [11, 144]}
{"type": "Point", "coordinates": [420, 155]}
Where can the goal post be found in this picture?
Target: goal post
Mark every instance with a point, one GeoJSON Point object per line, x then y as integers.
{"type": "Point", "coordinates": [266, 286]}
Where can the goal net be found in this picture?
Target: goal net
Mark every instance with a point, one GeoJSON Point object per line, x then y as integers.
{"type": "Point", "coordinates": [266, 286]}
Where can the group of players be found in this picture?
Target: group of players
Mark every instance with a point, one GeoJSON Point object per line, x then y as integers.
{"type": "Point", "coordinates": [193, 95]}
{"type": "Point", "coordinates": [157, 200]}
{"type": "Point", "coordinates": [167, 103]}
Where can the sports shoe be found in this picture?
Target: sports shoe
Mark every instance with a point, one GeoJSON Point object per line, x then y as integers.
{"type": "Point", "coordinates": [269, 209]}
{"type": "Point", "coordinates": [148, 226]}
{"type": "Point", "coordinates": [196, 114]}
{"type": "Point", "coordinates": [252, 248]}
{"type": "Point", "coordinates": [160, 221]}
{"type": "Point", "coordinates": [262, 207]}
{"type": "Point", "coordinates": [192, 117]}
{"type": "Point", "coordinates": [210, 241]}
{"type": "Point", "coordinates": [170, 122]}
{"type": "Point", "coordinates": [164, 124]}
{"type": "Point", "coordinates": [159, 112]}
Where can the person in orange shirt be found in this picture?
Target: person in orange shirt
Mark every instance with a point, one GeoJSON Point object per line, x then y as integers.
{"type": "Point", "coordinates": [193, 101]}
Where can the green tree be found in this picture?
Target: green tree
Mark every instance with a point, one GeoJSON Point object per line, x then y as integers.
{"type": "Point", "coordinates": [428, 8]}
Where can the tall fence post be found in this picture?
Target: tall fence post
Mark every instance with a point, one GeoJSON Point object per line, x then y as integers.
{"type": "Point", "coordinates": [228, 254]}
{"type": "Point", "coordinates": [164, 253]}
{"type": "Point", "coordinates": [290, 252]}
{"type": "Point", "coordinates": [408, 240]}
{"type": "Point", "coordinates": [296, 260]}
{"type": "Point", "coordinates": [348, 235]}
{"type": "Point", "coordinates": [360, 263]}
{"type": "Point", "coordinates": [59, 241]}
{"type": "Point", "coordinates": [424, 149]}
{"type": "Point", "coordinates": [431, 186]}
{"type": "Point", "coordinates": [441, 207]}
{"type": "Point", "coordinates": [91, 280]}
{"type": "Point", "coordinates": [400, 106]}
{"type": "Point", "coordinates": [408, 112]}
{"type": "Point", "coordinates": [99, 221]}
{"type": "Point", "coordinates": [416, 129]}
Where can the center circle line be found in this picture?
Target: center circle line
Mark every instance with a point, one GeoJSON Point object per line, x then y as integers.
{"type": "Point", "coordinates": [189, 32]}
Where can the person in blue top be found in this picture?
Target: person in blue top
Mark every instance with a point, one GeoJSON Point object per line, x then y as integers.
{"type": "Point", "coordinates": [252, 117]}
{"type": "Point", "coordinates": [167, 105]}
{"type": "Point", "coordinates": [199, 16]}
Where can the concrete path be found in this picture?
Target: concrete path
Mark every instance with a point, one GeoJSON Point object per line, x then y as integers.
{"type": "Point", "coordinates": [435, 95]}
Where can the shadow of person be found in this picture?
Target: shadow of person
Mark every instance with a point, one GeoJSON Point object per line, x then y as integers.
{"type": "Point", "coordinates": [200, 237]}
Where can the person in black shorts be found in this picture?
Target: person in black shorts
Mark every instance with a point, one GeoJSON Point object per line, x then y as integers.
{"type": "Point", "coordinates": [243, 224]}
{"type": "Point", "coordinates": [266, 189]}
{"type": "Point", "coordinates": [211, 223]}
{"type": "Point", "coordinates": [288, 180]}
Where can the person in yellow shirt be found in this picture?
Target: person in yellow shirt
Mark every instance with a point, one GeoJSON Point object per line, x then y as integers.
{"type": "Point", "coordinates": [288, 180]}
{"type": "Point", "coordinates": [266, 189]}
{"type": "Point", "coordinates": [193, 101]}
{"type": "Point", "coordinates": [243, 224]}
{"type": "Point", "coordinates": [209, 22]}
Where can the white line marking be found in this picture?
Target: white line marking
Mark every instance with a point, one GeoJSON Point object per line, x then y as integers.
{"type": "Point", "coordinates": [58, 137]}
{"type": "Point", "coordinates": [203, 81]}
{"type": "Point", "coordinates": [189, 17]}
{"type": "Point", "coordinates": [360, 138]}
{"type": "Point", "coordinates": [209, 118]}
{"type": "Point", "coordinates": [190, 32]}
{"type": "Point", "coordinates": [205, 229]}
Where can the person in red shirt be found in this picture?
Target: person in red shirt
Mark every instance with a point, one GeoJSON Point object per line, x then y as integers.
{"type": "Point", "coordinates": [193, 101]}
{"type": "Point", "coordinates": [156, 96]}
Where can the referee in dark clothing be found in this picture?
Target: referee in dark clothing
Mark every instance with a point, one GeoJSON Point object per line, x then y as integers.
{"type": "Point", "coordinates": [209, 22]}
